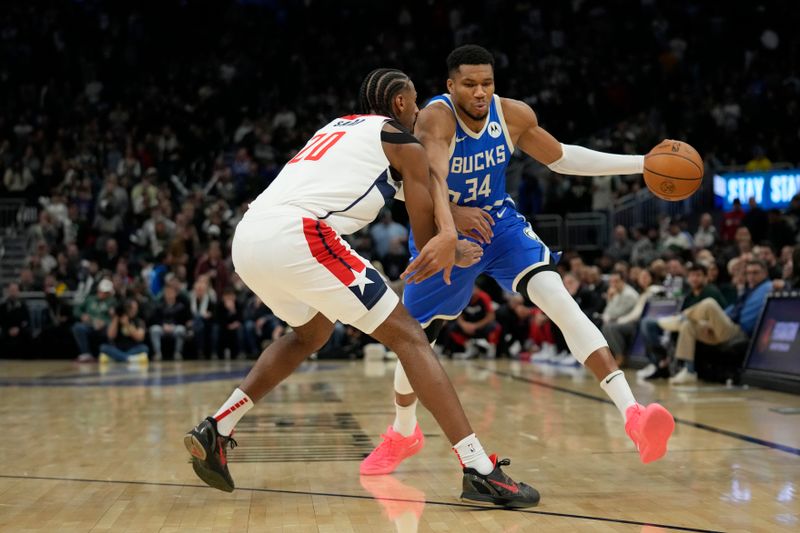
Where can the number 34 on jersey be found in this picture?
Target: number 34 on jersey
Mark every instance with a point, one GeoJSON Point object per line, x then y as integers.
{"type": "Point", "coordinates": [474, 189]}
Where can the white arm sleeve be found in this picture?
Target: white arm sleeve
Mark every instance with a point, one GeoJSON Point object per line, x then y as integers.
{"type": "Point", "coordinates": [580, 161]}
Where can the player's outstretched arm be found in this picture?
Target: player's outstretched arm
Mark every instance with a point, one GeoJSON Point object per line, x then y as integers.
{"type": "Point", "coordinates": [563, 158]}
{"type": "Point", "coordinates": [437, 252]}
{"type": "Point", "coordinates": [435, 129]}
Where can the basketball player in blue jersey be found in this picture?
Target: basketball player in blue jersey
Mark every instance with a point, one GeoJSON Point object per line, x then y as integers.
{"type": "Point", "coordinates": [288, 250]}
{"type": "Point", "coordinates": [469, 135]}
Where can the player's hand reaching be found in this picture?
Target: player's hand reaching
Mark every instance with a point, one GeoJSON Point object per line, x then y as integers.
{"type": "Point", "coordinates": [439, 253]}
{"type": "Point", "coordinates": [467, 253]}
{"type": "Point", "coordinates": [473, 222]}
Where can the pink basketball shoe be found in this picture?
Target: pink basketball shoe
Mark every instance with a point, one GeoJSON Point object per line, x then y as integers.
{"type": "Point", "coordinates": [649, 428]}
{"type": "Point", "coordinates": [391, 452]}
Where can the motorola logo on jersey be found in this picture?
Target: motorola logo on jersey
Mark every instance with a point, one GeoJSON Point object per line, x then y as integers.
{"type": "Point", "coordinates": [495, 130]}
{"type": "Point", "coordinates": [480, 161]}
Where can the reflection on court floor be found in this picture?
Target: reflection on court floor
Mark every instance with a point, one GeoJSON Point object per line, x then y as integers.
{"type": "Point", "coordinates": [101, 450]}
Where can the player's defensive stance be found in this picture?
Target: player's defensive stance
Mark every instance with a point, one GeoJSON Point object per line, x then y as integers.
{"type": "Point", "coordinates": [469, 135]}
{"type": "Point", "coordinates": [288, 250]}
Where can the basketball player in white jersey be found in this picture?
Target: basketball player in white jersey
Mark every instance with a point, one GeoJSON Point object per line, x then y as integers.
{"type": "Point", "coordinates": [288, 250]}
{"type": "Point", "coordinates": [469, 135]}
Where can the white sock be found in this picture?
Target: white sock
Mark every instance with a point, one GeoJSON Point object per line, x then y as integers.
{"type": "Point", "coordinates": [471, 454]}
{"type": "Point", "coordinates": [405, 418]}
{"type": "Point", "coordinates": [231, 411]}
{"type": "Point", "coordinates": [617, 388]}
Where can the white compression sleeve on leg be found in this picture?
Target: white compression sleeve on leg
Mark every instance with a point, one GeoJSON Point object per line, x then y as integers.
{"type": "Point", "coordinates": [547, 291]}
{"type": "Point", "coordinates": [580, 161]}
{"type": "Point", "coordinates": [401, 384]}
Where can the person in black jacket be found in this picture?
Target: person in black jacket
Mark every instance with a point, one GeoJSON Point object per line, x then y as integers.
{"type": "Point", "coordinates": [231, 330]}
{"type": "Point", "coordinates": [15, 320]}
{"type": "Point", "coordinates": [170, 319]}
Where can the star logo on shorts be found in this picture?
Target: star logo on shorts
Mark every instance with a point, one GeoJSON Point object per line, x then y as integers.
{"type": "Point", "coordinates": [361, 280]}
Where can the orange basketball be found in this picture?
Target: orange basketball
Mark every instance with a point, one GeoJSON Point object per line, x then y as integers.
{"type": "Point", "coordinates": [673, 170]}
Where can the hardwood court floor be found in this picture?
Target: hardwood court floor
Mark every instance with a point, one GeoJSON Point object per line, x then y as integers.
{"type": "Point", "coordinates": [86, 450]}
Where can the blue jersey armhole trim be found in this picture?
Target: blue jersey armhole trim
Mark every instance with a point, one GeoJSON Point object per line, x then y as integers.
{"type": "Point", "coordinates": [440, 98]}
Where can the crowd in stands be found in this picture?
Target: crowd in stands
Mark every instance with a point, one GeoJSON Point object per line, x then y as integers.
{"type": "Point", "coordinates": [139, 134]}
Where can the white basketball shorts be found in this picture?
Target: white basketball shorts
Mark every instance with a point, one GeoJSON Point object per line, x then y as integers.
{"type": "Point", "coordinates": [299, 266]}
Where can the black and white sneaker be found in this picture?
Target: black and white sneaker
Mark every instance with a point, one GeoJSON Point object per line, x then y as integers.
{"type": "Point", "coordinates": [497, 487]}
{"type": "Point", "coordinates": [208, 449]}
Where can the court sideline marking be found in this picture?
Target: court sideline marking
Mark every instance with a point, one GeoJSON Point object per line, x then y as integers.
{"type": "Point", "coordinates": [364, 497]}
{"type": "Point", "coordinates": [699, 425]}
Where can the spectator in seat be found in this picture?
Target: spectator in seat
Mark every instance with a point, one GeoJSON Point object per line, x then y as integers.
{"type": "Point", "coordinates": [756, 220]}
{"type": "Point", "coordinates": [260, 325]}
{"type": "Point", "coordinates": [126, 334]}
{"type": "Point", "coordinates": [477, 321]}
{"type": "Point", "coordinates": [15, 324]}
{"type": "Point", "coordinates": [620, 297]}
{"type": "Point", "coordinates": [588, 300]}
{"type": "Point", "coordinates": [700, 288]}
{"type": "Point", "coordinates": [621, 247]}
{"type": "Point", "coordinates": [514, 318]}
{"type": "Point", "coordinates": [170, 319]}
{"type": "Point", "coordinates": [94, 315]}
{"type": "Point", "coordinates": [706, 234]}
{"type": "Point", "coordinates": [231, 330]}
{"type": "Point", "coordinates": [202, 303]}
{"type": "Point", "coordinates": [213, 266]}
{"type": "Point", "coordinates": [707, 322]}
{"type": "Point", "coordinates": [732, 220]}
{"type": "Point", "coordinates": [621, 334]}
{"type": "Point", "coordinates": [766, 253]}
{"type": "Point", "coordinates": [676, 240]}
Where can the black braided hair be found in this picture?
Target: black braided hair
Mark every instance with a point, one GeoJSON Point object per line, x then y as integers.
{"type": "Point", "coordinates": [379, 89]}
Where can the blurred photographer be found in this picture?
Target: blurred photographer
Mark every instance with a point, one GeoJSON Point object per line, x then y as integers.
{"type": "Point", "coordinates": [126, 333]}
{"type": "Point", "coordinates": [94, 315]}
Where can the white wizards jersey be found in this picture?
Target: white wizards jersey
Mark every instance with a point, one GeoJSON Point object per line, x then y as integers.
{"type": "Point", "coordinates": [340, 176]}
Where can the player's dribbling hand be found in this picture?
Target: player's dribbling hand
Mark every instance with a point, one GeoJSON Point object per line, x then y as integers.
{"type": "Point", "coordinates": [439, 253]}
{"type": "Point", "coordinates": [467, 253]}
{"type": "Point", "coordinates": [473, 222]}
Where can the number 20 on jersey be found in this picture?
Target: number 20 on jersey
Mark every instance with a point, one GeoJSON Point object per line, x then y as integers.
{"type": "Point", "coordinates": [317, 146]}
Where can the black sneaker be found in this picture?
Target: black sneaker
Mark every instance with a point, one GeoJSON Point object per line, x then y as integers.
{"type": "Point", "coordinates": [660, 372]}
{"type": "Point", "coordinates": [208, 454]}
{"type": "Point", "coordinates": [497, 487]}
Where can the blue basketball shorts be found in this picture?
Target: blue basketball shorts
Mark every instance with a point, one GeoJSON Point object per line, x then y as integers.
{"type": "Point", "coordinates": [515, 250]}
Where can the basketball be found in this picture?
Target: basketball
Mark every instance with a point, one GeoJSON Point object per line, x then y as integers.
{"type": "Point", "coordinates": [673, 170]}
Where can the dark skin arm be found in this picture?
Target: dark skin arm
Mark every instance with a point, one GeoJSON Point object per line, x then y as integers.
{"type": "Point", "coordinates": [435, 128]}
{"type": "Point", "coordinates": [527, 134]}
{"type": "Point", "coordinates": [437, 252]}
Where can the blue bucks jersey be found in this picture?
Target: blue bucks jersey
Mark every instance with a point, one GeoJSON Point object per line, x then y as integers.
{"type": "Point", "coordinates": [478, 161]}
{"type": "Point", "coordinates": [477, 178]}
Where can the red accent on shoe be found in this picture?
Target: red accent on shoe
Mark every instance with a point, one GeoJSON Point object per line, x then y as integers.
{"type": "Point", "coordinates": [513, 488]}
{"type": "Point", "coordinates": [649, 428]}
{"type": "Point", "coordinates": [222, 458]}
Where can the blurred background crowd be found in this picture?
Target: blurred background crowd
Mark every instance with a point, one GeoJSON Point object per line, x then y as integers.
{"type": "Point", "coordinates": [133, 136]}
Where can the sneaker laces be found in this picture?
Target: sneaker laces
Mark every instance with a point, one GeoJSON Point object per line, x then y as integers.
{"type": "Point", "coordinates": [227, 442]}
{"type": "Point", "coordinates": [230, 442]}
{"type": "Point", "coordinates": [386, 441]}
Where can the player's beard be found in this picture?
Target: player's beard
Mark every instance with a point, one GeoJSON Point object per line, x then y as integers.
{"type": "Point", "coordinates": [474, 117]}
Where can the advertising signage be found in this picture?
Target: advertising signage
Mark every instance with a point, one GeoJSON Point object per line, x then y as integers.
{"type": "Point", "coordinates": [773, 189]}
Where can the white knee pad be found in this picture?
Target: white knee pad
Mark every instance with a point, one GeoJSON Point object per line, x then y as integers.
{"type": "Point", "coordinates": [547, 291]}
{"type": "Point", "coordinates": [401, 384]}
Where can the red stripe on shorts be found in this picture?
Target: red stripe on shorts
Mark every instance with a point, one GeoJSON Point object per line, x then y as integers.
{"type": "Point", "coordinates": [329, 251]}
